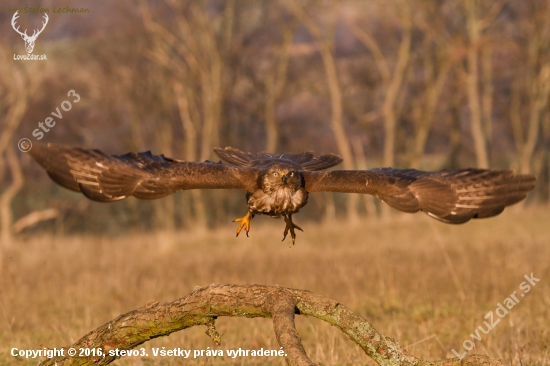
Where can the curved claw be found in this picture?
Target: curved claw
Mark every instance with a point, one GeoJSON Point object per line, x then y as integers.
{"type": "Point", "coordinates": [290, 226]}
{"type": "Point", "coordinates": [245, 222]}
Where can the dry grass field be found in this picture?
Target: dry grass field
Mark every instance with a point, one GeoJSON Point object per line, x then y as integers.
{"type": "Point", "coordinates": [425, 284]}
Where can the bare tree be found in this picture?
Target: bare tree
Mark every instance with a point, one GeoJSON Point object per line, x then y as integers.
{"type": "Point", "coordinates": [18, 83]}
{"type": "Point", "coordinates": [392, 80]}
{"type": "Point", "coordinates": [478, 112]}
{"type": "Point", "coordinates": [325, 44]}
{"type": "Point", "coordinates": [488, 91]}
{"type": "Point", "coordinates": [540, 93]}
{"type": "Point", "coordinates": [436, 70]}
{"type": "Point", "coordinates": [165, 209]}
{"type": "Point", "coordinates": [194, 51]}
{"type": "Point", "coordinates": [205, 304]}
{"type": "Point", "coordinates": [274, 85]}
{"type": "Point", "coordinates": [531, 85]}
{"type": "Point", "coordinates": [190, 152]}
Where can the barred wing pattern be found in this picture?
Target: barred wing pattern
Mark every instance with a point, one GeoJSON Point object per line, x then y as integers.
{"type": "Point", "coordinates": [143, 175]}
{"type": "Point", "coordinates": [452, 197]}
{"type": "Point", "coordinates": [305, 161]}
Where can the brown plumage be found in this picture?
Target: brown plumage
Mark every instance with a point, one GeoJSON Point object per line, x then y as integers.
{"type": "Point", "coordinates": [278, 184]}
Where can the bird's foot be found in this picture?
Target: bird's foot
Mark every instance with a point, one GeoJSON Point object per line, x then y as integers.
{"type": "Point", "coordinates": [290, 226]}
{"type": "Point", "coordinates": [245, 222]}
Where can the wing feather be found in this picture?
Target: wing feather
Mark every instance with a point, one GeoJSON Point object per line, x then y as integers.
{"type": "Point", "coordinates": [304, 161]}
{"type": "Point", "coordinates": [143, 175]}
{"type": "Point", "coordinates": [449, 196]}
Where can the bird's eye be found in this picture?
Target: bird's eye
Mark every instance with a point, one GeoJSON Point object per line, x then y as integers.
{"type": "Point", "coordinates": [275, 174]}
{"type": "Point", "coordinates": [291, 174]}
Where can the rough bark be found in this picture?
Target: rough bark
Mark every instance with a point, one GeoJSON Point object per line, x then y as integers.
{"type": "Point", "coordinates": [205, 304]}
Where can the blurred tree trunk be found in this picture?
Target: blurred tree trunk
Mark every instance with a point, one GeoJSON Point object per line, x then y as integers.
{"type": "Point", "coordinates": [455, 135]}
{"type": "Point", "coordinates": [361, 164]}
{"type": "Point", "coordinates": [534, 81]}
{"type": "Point", "coordinates": [325, 45]}
{"type": "Point", "coordinates": [6, 216]}
{"type": "Point", "coordinates": [274, 85]}
{"type": "Point", "coordinates": [547, 150]}
{"type": "Point", "coordinates": [163, 217]}
{"type": "Point", "coordinates": [18, 83]}
{"type": "Point", "coordinates": [394, 87]}
{"type": "Point", "coordinates": [472, 77]}
{"type": "Point", "coordinates": [481, 106]}
{"type": "Point", "coordinates": [134, 114]}
{"type": "Point", "coordinates": [136, 135]}
{"type": "Point", "coordinates": [392, 82]}
{"type": "Point", "coordinates": [271, 130]}
{"type": "Point", "coordinates": [540, 93]}
{"type": "Point", "coordinates": [196, 212]}
{"type": "Point", "coordinates": [424, 110]}
{"type": "Point", "coordinates": [165, 211]}
{"type": "Point", "coordinates": [205, 48]}
{"type": "Point", "coordinates": [488, 91]}
{"type": "Point", "coordinates": [515, 115]}
{"type": "Point", "coordinates": [192, 52]}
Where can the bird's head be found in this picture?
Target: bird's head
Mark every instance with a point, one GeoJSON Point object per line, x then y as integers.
{"type": "Point", "coordinates": [281, 176]}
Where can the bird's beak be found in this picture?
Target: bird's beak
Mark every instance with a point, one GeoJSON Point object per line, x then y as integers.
{"type": "Point", "coordinates": [284, 178]}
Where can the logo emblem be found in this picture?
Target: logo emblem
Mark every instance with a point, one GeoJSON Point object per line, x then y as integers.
{"type": "Point", "coordinates": [29, 40]}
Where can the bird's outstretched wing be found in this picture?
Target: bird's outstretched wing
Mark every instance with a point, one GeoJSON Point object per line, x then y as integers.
{"type": "Point", "coordinates": [305, 161]}
{"type": "Point", "coordinates": [453, 197]}
{"type": "Point", "coordinates": [143, 175]}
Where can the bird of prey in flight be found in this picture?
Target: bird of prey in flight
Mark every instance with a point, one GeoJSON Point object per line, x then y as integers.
{"type": "Point", "coordinates": [278, 185]}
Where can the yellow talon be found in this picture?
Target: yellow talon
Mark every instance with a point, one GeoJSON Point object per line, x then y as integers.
{"type": "Point", "coordinates": [245, 222]}
{"type": "Point", "coordinates": [290, 226]}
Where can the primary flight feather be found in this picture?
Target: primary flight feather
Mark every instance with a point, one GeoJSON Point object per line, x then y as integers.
{"type": "Point", "coordinates": [278, 184]}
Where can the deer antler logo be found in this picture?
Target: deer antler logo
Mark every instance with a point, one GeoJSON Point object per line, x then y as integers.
{"type": "Point", "coordinates": [29, 41]}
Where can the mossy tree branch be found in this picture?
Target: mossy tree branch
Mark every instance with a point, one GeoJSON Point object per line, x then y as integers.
{"type": "Point", "coordinates": [204, 305]}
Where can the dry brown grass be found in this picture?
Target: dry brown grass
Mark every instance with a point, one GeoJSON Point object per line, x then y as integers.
{"type": "Point", "coordinates": [55, 290]}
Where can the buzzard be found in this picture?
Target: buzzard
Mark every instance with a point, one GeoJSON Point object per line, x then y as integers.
{"type": "Point", "coordinates": [278, 185]}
